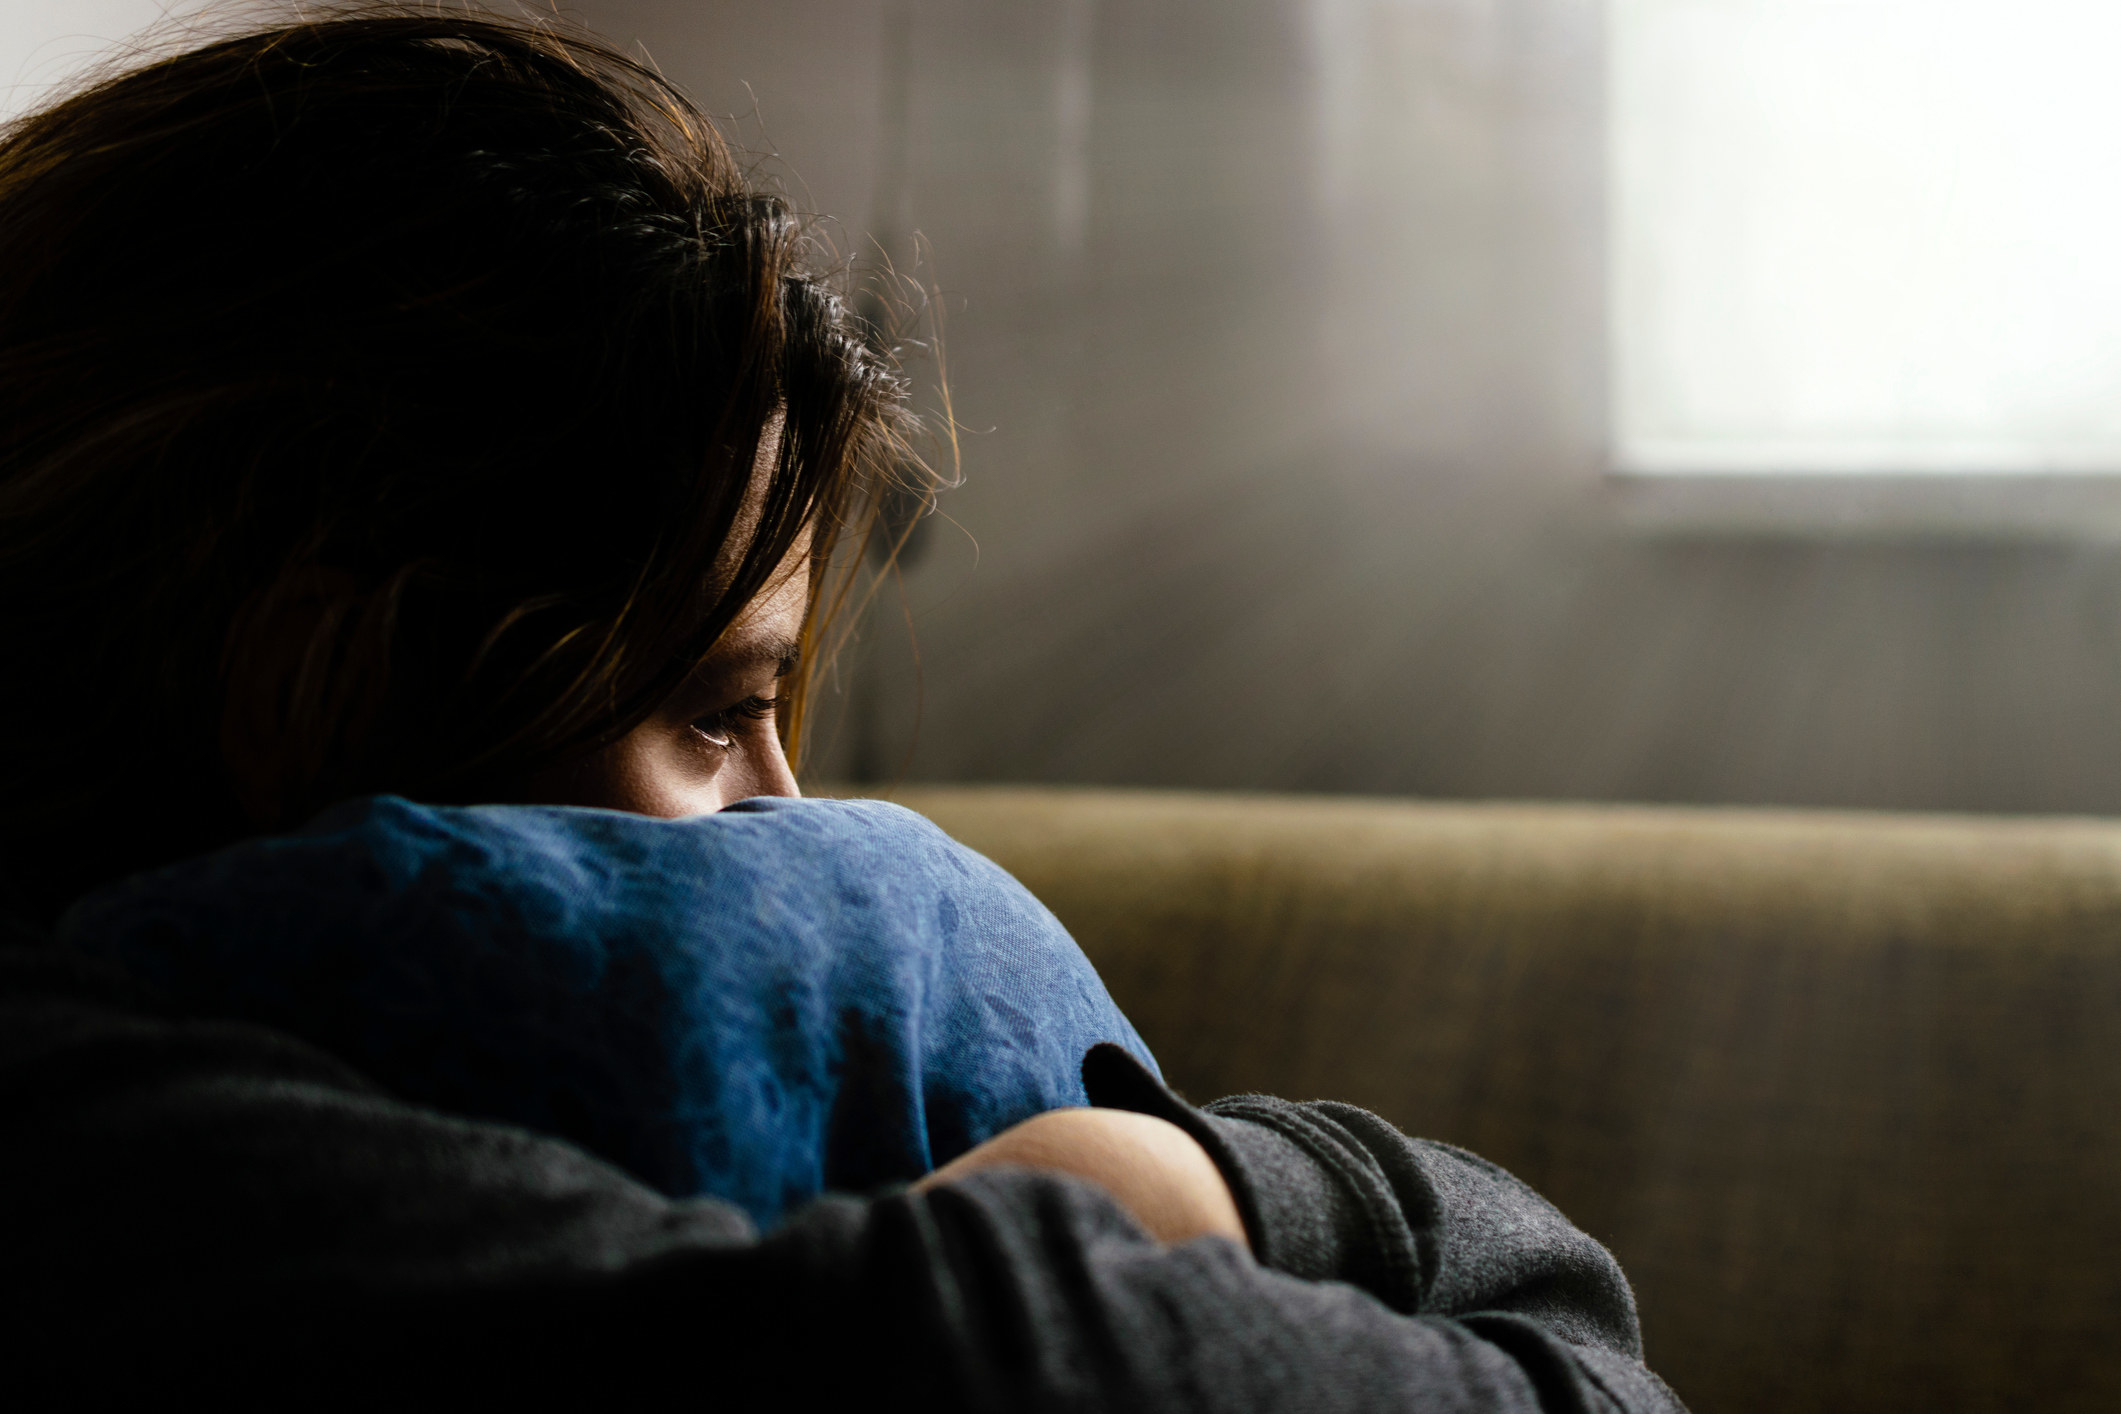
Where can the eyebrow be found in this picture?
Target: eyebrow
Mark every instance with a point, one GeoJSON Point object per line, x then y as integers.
{"type": "Point", "coordinates": [784, 653]}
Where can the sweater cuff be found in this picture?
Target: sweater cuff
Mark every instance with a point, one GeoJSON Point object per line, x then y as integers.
{"type": "Point", "coordinates": [1307, 1208]}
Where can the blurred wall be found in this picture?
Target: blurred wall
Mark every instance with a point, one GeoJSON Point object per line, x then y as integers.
{"type": "Point", "coordinates": [1275, 327]}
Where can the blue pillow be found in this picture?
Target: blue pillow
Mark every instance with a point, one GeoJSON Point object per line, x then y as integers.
{"type": "Point", "coordinates": [786, 997]}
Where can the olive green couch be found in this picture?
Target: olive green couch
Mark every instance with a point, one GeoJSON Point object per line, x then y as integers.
{"type": "Point", "coordinates": [1843, 1092]}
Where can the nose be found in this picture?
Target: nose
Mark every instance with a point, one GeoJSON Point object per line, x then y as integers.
{"type": "Point", "coordinates": [772, 775]}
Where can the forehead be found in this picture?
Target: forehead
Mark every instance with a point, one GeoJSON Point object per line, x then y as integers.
{"type": "Point", "coordinates": [752, 510]}
{"type": "Point", "coordinates": [770, 628]}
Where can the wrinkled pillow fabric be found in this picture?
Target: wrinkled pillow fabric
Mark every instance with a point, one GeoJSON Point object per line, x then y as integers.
{"type": "Point", "coordinates": [759, 1005]}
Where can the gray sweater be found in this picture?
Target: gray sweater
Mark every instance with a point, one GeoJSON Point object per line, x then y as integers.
{"type": "Point", "coordinates": [209, 1210]}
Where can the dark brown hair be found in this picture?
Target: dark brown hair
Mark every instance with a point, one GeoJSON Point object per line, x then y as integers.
{"type": "Point", "coordinates": [378, 398]}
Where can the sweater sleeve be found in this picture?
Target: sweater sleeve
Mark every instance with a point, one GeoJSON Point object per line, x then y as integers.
{"type": "Point", "coordinates": [1332, 1192]}
{"type": "Point", "coordinates": [202, 1208]}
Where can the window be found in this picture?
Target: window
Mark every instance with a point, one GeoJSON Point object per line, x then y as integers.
{"type": "Point", "coordinates": [1865, 236]}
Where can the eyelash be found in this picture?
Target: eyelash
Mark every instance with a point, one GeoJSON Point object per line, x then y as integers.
{"type": "Point", "coordinates": [719, 728]}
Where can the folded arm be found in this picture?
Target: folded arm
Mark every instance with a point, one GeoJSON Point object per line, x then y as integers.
{"type": "Point", "coordinates": [214, 1208]}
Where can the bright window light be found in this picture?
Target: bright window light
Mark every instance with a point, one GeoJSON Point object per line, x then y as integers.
{"type": "Point", "coordinates": [1865, 236]}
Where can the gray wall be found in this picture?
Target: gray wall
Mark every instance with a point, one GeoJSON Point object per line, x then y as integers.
{"type": "Point", "coordinates": [1276, 328]}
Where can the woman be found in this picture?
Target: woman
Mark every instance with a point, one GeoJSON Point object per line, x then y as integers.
{"type": "Point", "coordinates": [407, 408]}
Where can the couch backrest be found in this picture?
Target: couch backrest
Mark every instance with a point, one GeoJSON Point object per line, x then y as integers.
{"type": "Point", "coordinates": [1843, 1092]}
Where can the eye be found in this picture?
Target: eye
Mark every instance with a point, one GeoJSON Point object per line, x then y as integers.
{"type": "Point", "coordinates": [722, 728]}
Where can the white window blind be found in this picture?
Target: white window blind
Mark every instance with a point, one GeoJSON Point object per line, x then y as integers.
{"type": "Point", "coordinates": [1865, 236]}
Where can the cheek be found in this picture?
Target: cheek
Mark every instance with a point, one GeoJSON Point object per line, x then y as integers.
{"type": "Point", "coordinates": [674, 774]}
{"type": "Point", "coordinates": [649, 771]}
